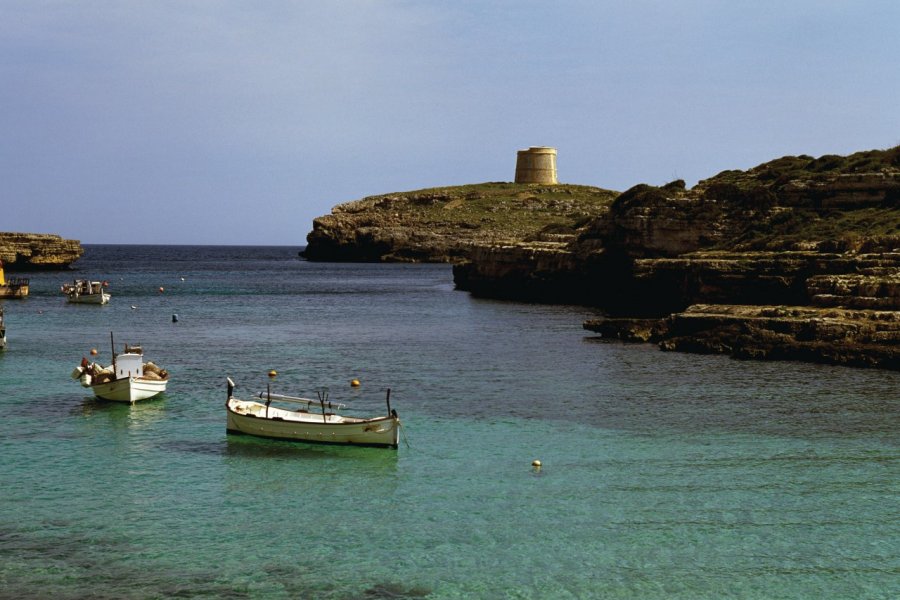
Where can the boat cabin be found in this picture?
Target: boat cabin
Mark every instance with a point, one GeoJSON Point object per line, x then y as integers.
{"type": "Point", "coordinates": [84, 287]}
{"type": "Point", "coordinates": [129, 365]}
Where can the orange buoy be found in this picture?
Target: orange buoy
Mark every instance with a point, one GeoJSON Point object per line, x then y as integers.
{"type": "Point", "coordinates": [161, 289]}
{"type": "Point", "coordinates": [355, 383]}
{"type": "Point", "coordinates": [273, 373]}
{"type": "Point", "coordinates": [93, 352]}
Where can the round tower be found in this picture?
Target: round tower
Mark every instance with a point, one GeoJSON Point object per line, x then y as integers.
{"type": "Point", "coordinates": [536, 165]}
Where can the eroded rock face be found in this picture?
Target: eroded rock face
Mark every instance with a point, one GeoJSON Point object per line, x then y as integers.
{"type": "Point", "coordinates": [788, 277]}
{"type": "Point", "coordinates": [652, 222]}
{"type": "Point", "coordinates": [834, 336]}
{"type": "Point", "coordinates": [879, 291]}
{"type": "Point", "coordinates": [531, 271]}
{"type": "Point", "coordinates": [853, 190]}
{"type": "Point", "coordinates": [32, 251]}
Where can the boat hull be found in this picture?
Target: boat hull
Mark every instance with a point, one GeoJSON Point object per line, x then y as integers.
{"type": "Point", "coordinates": [89, 298]}
{"type": "Point", "coordinates": [129, 389]}
{"type": "Point", "coordinates": [250, 418]}
{"type": "Point", "coordinates": [13, 292]}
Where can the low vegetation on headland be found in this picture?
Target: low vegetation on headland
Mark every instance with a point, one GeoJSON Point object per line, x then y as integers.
{"type": "Point", "coordinates": [442, 224]}
{"type": "Point", "coordinates": [797, 258]}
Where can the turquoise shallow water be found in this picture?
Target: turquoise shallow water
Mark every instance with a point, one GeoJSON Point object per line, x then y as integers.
{"type": "Point", "coordinates": [665, 475]}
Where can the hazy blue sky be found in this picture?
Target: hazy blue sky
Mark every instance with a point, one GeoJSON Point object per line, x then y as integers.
{"type": "Point", "coordinates": [239, 122]}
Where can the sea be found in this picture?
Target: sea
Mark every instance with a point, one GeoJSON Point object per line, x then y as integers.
{"type": "Point", "coordinates": [663, 475]}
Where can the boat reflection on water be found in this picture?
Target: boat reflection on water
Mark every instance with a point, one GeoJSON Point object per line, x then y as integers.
{"type": "Point", "coordinates": [252, 447]}
{"type": "Point", "coordinates": [131, 416]}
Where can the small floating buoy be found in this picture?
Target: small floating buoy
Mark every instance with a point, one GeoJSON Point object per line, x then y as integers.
{"type": "Point", "coordinates": [133, 307]}
{"type": "Point", "coordinates": [354, 383]}
{"type": "Point", "coordinates": [273, 373]}
{"type": "Point", "coordinates": [182, 278]}
{"type": "Point", "coordinates": [93, 352]}
{"type": "Point", "coordinates": [161, 289]}
{"type": "Point", "coordinates": [536, 464]}
{"type": "Point", "coordinates": [175, 318]}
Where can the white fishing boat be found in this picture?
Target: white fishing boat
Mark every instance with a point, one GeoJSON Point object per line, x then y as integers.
{"type": "Point", "coordinates": [2, 331]}
{"type": "Point", "coordinates": [83, 291]}
{"type": "Point", "coordinates": [264, 418]}
{"type": "Point", "coordinates": [127, 379]}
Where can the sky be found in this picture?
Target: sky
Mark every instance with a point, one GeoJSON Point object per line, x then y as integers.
{"type": "Point", "coordinates": [239, 122]}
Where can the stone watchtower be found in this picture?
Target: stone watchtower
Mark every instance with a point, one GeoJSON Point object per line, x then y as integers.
{"type": "Point", "coordinates": [536, 165]}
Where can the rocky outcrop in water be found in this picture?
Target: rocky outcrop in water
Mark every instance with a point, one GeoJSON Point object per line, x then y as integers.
{"type": "Point", "coordinates": [819, 238]}
{"type": "Point", "coordinates": [862, 338]}
{"type": "Point", "coordinates": [37, 251]}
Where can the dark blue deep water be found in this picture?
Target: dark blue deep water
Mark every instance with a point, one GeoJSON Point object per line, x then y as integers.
{"type": "Point", "coordinates": [664, 475]}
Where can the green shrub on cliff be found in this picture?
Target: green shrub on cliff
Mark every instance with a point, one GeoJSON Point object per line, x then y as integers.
{"type": "Point", "coordinates": [801, 199]}
{"type": "Point", "coordinates": [645, 195]}
{"type": "Point", "coordinates": [751, 197]}
{"type": "Point", "coordinates": [778, 172]}
{"type": "Point", "coordinates": [791, 227]}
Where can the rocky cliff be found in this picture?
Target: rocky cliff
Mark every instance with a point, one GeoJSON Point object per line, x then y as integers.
{"type": "Point", "coordinates": [443, 224]}
{"type": "Point", "coordinates": [680, 266]}
{"type": "Point", "coordinates": [33, 251]}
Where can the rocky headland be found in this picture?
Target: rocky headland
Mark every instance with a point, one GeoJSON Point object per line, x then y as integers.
{"type": "Point", "coordinates": [797, 258]}
{"type": "Point", "coordinates": [444, 224]}
{"type": "Point", "coordinates": [37, 251]}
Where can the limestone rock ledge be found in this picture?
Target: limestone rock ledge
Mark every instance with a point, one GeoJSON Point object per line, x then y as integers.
{"type": "Point", "coordinates": [37, 251]}
{"type": "Point", "coordinates": [861, 338]}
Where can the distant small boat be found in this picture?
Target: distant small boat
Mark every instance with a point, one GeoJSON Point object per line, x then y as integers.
{"type": "Point", "coordinates": [262, 419]}
{"type": "Point", "coordinates": [2, 331]}
{"type": "Point", "coordinates": [83, 291]}
{"type": "Point", "coordinates": [16, 287]}
{"type": "Point", "coordinates": [127, 379]}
